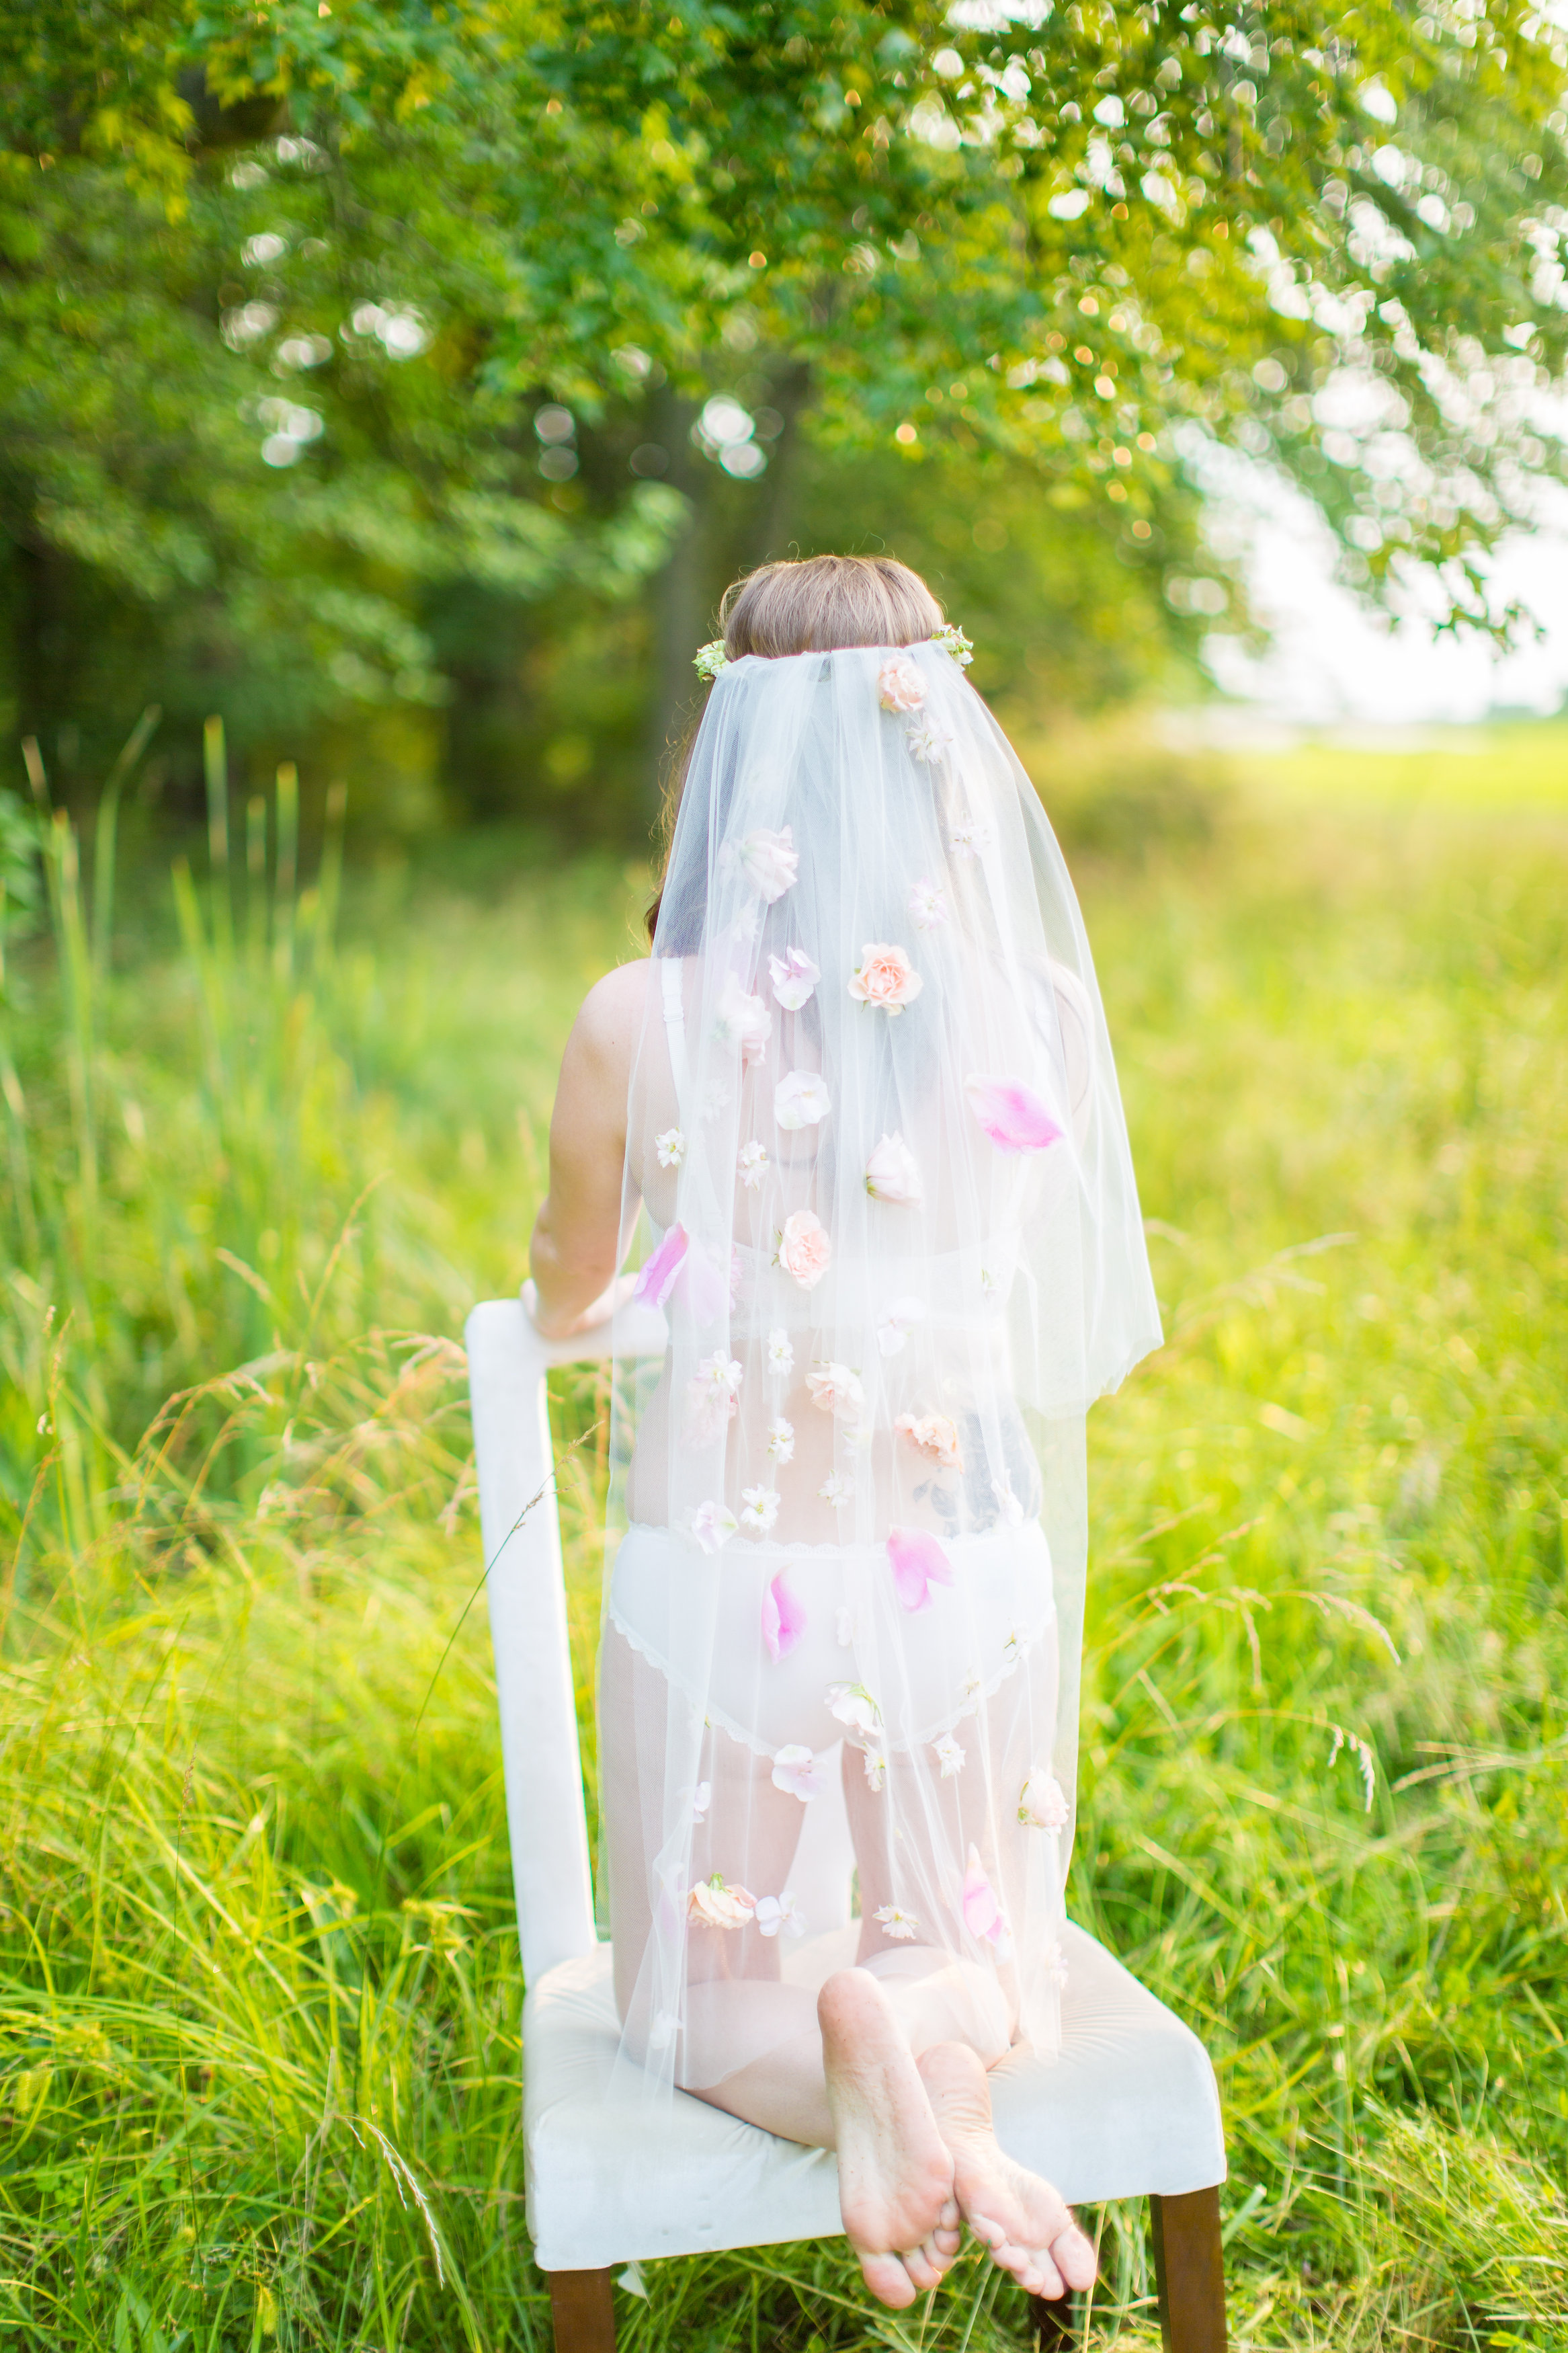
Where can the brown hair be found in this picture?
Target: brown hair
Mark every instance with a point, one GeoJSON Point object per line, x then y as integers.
{"type": "Point", "coordinates": [812, 605]}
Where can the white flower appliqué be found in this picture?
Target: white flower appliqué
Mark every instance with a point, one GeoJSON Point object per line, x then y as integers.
{"type": "Point", "coordinates": [794, 976]}
{"type": "Point", "coordinates": [853, 1705]}
{"type": "Point", "coordinates": [711, 1397]}
{"type": "Point", "coordinates": [745, 1021]}
{"type": "Point", "coordinates": [968, 838]}
{"type": "Point", "coordinates": [770, 861]}
{"type": "Point", "coordinates": [893, 1329]}
{"type": "Point", "coordinates": [776, 1912]}
{"type": "Point", "coordinates": [835, 1491]}
{"type": "Point", "coordinates": [795, 1772]}
{"type": "Point", "coordinates": [780, 1440]}
{"type": "Point", "coordinates": [1042, 1801]}
{"type": "Point", "coordinates": [800, 1100]}
{"type": "Point", "coordinates": [671, 1148]}
{"type": "Point", "coordinates": [928, 907]}
{"type": "Point", "coordinates": [762, 1509]}
{"type": "Point", "coordinates": [713, 1524]}
{"type": "Point", "coordinates": [701, 1798]}
{"type": "Point", "coordinates": [948, 1755]}
{"type": "Point", "coordinates": [928, 742]}
{"type": "Point", "coordinates": [781, 1356]}
{"type": "Point", "coordinates": [894, 1921]}
{"type": "Point", "coordinates": [752, 1165]}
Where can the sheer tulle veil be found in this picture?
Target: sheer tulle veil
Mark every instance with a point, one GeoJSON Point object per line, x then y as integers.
{"type": "Point", "coordinates": [879, 1188]}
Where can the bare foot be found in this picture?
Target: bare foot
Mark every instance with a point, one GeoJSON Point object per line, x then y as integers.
{"type": "Point", "coordinates": [895, 2174]}
{"type": "Point", "coordinates": [1026, 2225]}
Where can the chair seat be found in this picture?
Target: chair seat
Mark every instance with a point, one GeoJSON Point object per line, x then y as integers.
{"type": "Point", "coordinates": [1128, 2108]}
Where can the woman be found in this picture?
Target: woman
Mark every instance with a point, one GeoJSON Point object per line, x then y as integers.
{"type": "Point", "coordinates": [859, 1103]}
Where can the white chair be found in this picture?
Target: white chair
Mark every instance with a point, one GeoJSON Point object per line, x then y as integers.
{"type": "Point", "coordinates": [1129, 2109]}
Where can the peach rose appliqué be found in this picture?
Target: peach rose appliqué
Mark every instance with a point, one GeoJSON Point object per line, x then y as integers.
{"type": "Point", "coordinates": [805, 1247]}
{"type": "Point", "coordinates": [885, 977]}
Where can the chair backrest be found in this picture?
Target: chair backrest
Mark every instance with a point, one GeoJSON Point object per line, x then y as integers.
{"type": "Point", "coordinates": [508, 1362]}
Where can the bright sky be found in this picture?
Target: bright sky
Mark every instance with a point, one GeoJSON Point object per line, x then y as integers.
{"type": "Point", "coordinates": [1333, 663]}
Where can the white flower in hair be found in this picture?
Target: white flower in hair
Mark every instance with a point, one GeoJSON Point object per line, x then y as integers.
{"type": "Point", "coordinates": [762, 1509]}
{"type": "Point", "coordinates": [951, 640]}
{"type": "Point", "coordinates": [794, 976]}
{"type": "Point", "coordinates": [893, 1329]}
{"type": "Point", "coordinates": [708, 661]}
{"type": "Point", "coordinates": [800, 1100]}
{"type": "Point", "coordinates": [752, 1164]}
{"type": "Point", "coordinates": [834, 1491]}
{"type": "Point", "coordinates": [713, 1524]}
{"type": "Point", "coordinates": [745, 1021]}
{"type": "Point", "coordinates": [781, 1356]}
{"type": "Point", "coordinates": [949, 1756]}
{"type": "Point", "coordinates": [968, 838]}
{"type": "Point", "coordinates": [671, 1148]}
{"type": "Point", "coordinates": [894, 1921]}
{"type": "Point", "coordinates": [770, 861]}
{"type": "Point", "coordinates": [928, 742]}
{"type": "Point", "coordinates": [780, 1440]}
{"type": "Point", "coordinates": [928, 906]}
{"type": "Point", "coordinates": [893, 1175]}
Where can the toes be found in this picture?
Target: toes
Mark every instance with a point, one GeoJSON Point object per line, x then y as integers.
{"type": "Point", "coordinates": [888, 2282]}
{"type": "Point", "coordinates": [1075, 2257]}
{"type": "Point", "coordinates": [1042, 2277]}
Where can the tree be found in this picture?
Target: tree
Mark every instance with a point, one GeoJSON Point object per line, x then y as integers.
{"type": "Point", "coordinates": [285, 289]}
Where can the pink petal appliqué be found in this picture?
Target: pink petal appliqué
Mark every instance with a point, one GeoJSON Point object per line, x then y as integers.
{"type": "Point", "coordinates": [982, 1912]}
{"type": "Point", "coordinates": [918, 1562]}
{"type": "Point", "coordinates": [657, 1278]}
{"type": "Point", "coordinates": [783, 1620]}
{"type": "Point", "coordinates": [1012, 1115]}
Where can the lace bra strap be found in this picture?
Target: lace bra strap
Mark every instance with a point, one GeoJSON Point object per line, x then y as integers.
{"type": "Point", "coordinates": [675, 1026]}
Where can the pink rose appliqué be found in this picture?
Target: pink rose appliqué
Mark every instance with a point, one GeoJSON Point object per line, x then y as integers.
{"type": "Point", "coordinates": [918, 1563]}
{"type": "Point", "coordinates": [1012, 1115]}
{"type": "Point", "coordinates": [892, 1173]}
{"type": "Point", "coordinates": [901, 684]}
{"type": "Point", "coordinates": [935, 1435]}
{"type": "Point", "coordinates": [714, 1905]}
{"type": "Point", "coordinates": [885, 979]}
{"type": "Point", "coordinates": [770, 861]}
{"type": "Point", "coordinates": [805, 1247]}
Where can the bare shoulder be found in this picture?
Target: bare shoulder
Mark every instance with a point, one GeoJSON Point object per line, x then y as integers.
{"type": "Point", "coordinates": [609, 1022]}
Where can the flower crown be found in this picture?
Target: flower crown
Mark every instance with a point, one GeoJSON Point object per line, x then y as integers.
{"type": "Point", "coordinates": [710, 659]}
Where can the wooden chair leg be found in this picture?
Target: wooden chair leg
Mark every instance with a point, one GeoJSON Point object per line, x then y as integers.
{"type": "Point", "coordinates": [582, 2309]}
{"type": "Point", "coordinates": [1189, 2268]}
{"type": "Point", "coordinates": [1054, 2322]}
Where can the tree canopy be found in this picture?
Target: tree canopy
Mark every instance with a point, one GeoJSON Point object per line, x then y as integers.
{"type": "Point", "coordinates": [316, 314]}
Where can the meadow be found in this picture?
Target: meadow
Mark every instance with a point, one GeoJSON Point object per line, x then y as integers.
{"type": "Point", "coordinates": [269, 1132]}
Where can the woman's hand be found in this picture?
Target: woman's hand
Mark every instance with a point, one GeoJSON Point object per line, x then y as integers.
{"type": "Point", "coordinates": [599, 1312]}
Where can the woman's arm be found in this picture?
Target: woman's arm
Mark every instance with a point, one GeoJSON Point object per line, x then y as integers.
{"type": "Point", "coordinates": [576, 1237]}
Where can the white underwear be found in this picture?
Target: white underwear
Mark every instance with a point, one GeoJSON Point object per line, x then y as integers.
{"type": "Point", "coordinates": [926, 1669]}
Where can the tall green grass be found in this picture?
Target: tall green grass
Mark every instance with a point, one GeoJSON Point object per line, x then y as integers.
{"type": "Point", "coordinates": [259, 1980]}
